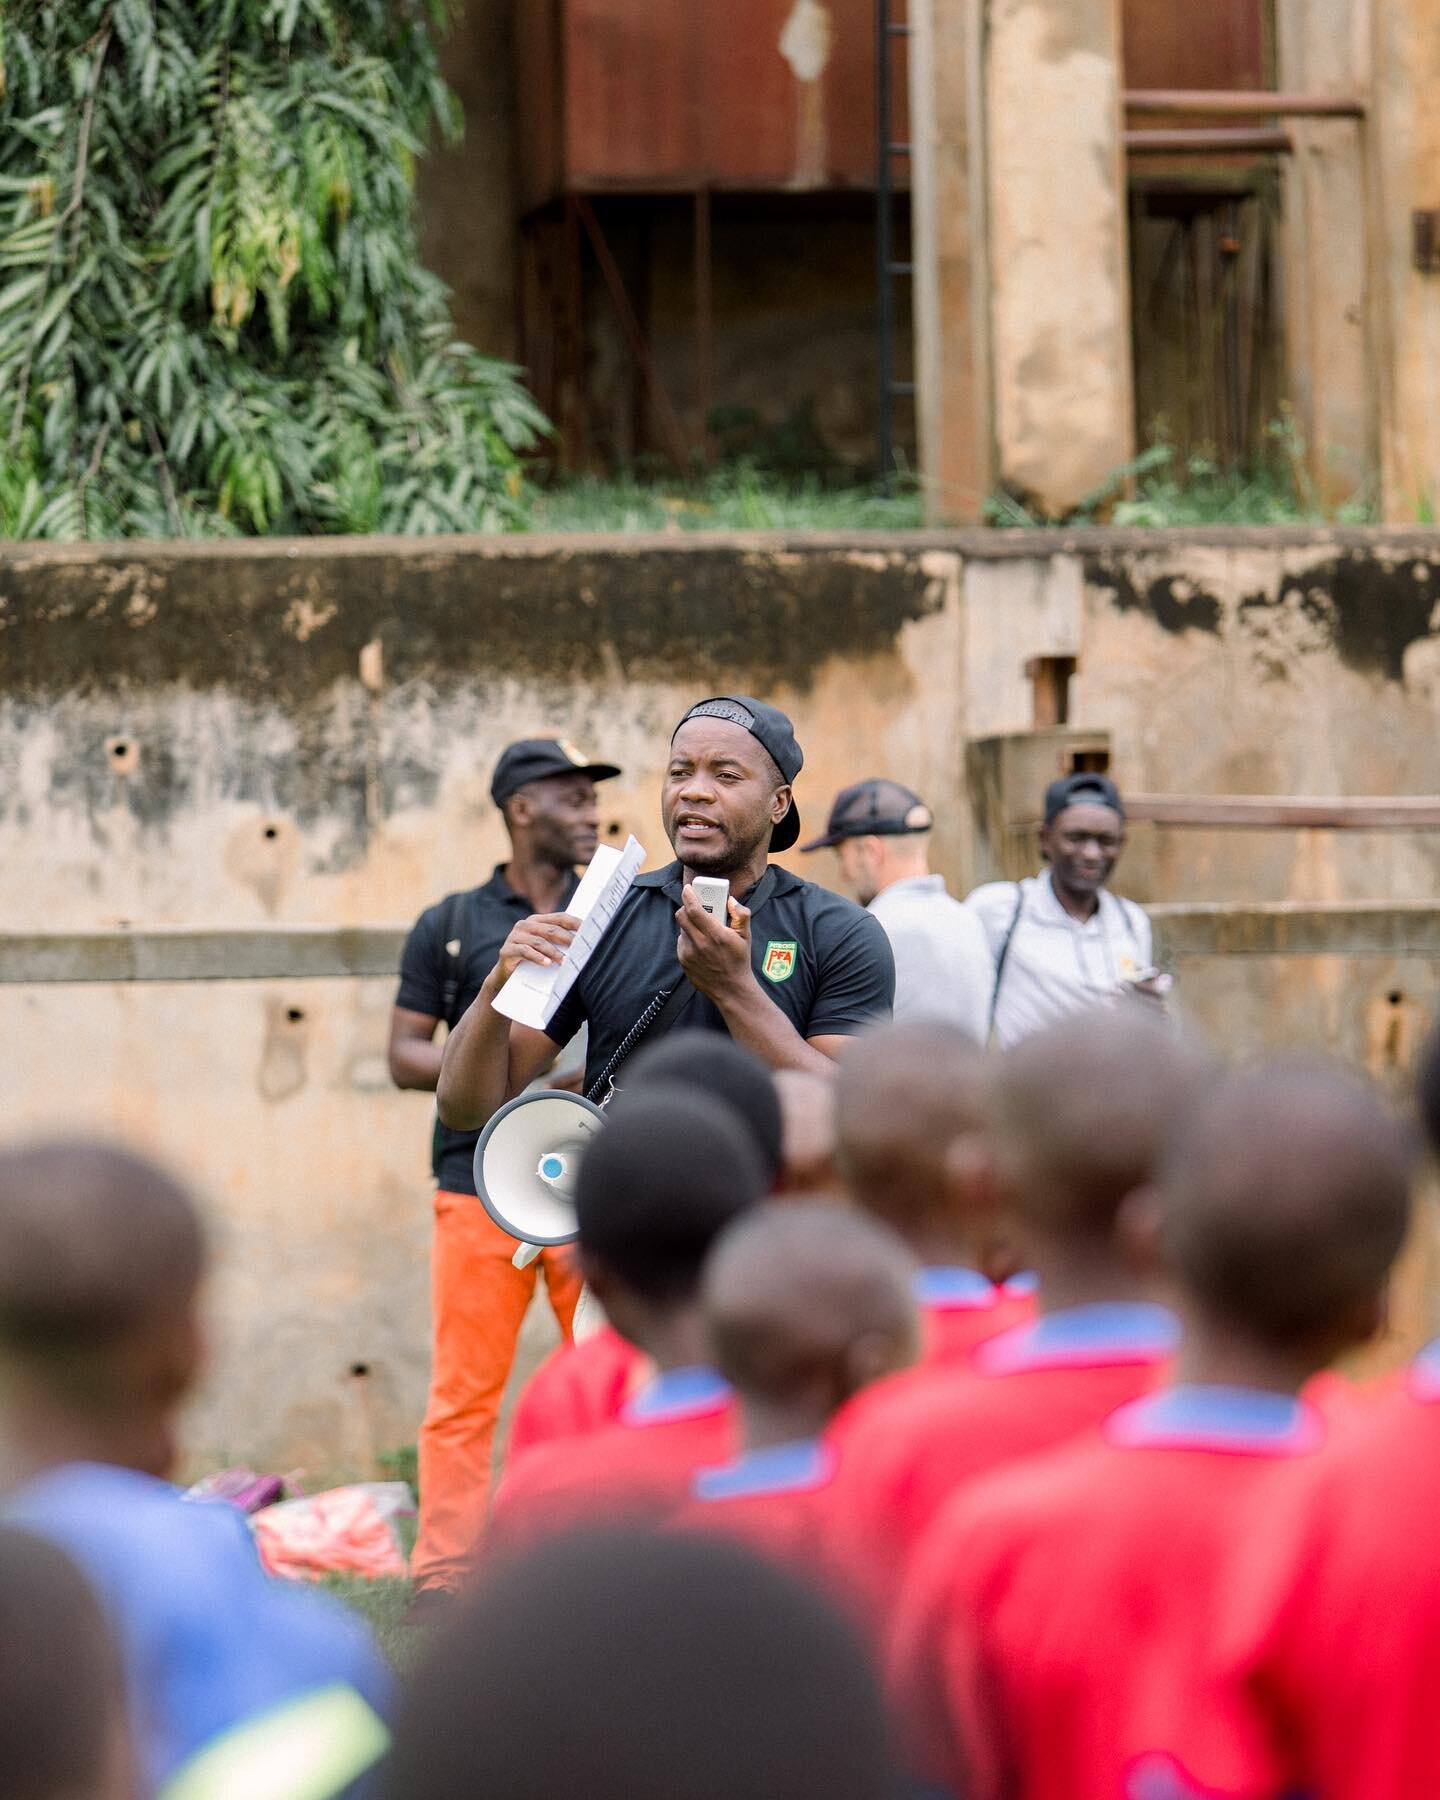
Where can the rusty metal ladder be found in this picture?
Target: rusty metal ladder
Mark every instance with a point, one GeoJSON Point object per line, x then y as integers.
{"type": "Point", "coordinates": [887, 270]}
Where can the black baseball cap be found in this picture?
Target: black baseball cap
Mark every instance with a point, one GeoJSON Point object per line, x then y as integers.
{"type": "Point", "coordinates": [1084, 788]}
{"type": "Point", "coordinates": [876, 808]}
{"type": "Point", "coordinates": [770, 727]}
{"type": "Point", "coordinates": [534, 759]}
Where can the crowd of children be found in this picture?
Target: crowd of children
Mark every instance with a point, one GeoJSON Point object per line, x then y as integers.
{"type": "Point", "coordinates": [970, 1426]}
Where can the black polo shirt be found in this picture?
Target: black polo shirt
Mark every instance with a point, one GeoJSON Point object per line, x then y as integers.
{"type": "Point", "coordinates": [477, 923]}
{"type": "Point", "coordinates": [823, 961]}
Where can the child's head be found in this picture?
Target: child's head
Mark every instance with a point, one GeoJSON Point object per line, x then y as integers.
{"type": "Point", "coordinates": [644, 1666]}
{"type": "Point", "coordinates": [656, 1187]}
{"type": "Point", "coordinates": [101, 1259]}
{"type": "Point", "coordinates": [1081, 1115]}
{"type": "Point", "coordinates": [1281, 1205]}
{"type": "Point", "coordinates": [804, 1305]}
{"type": "Point", "coordinates": [911, 1123]}
{"type": "Point", "coordinates": [62, 1712]}
{"type": "Point", "coordinates": [715, 1065]}
{"type": "Point", "coordinates": [807, 1133]}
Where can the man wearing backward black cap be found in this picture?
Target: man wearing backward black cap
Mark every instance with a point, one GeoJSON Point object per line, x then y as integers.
{"type": "Point", "coordinates": [795, 972]}
{"type": "Point", "coordinates": [1061, 940]}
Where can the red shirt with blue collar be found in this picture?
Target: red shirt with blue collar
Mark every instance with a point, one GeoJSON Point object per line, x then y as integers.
{"type": "Point", "coordinates": [960, 1308]}
{"type": "Point", "coordinates": [1062, 1630]}
{"type": "Point", "coordinates": [579, 1388]}
{"type": "Point", "coordinates": [641, 1466]}
{"type": "Point", "coordinates": [772, 1499]}
{"type": "Point", "coordinates": [1336, 1605]}
{"type": "Point", "coordinates": [907, 1444]}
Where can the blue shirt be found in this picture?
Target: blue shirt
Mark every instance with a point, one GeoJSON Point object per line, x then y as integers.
{"type": "Point", "coordinates": [207, 1637]}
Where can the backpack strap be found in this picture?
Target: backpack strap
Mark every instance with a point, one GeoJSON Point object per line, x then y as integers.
{"type": "Point", "coordinates": [1001, 959]}
{"type": "Point", "coordinates": [452, 948]}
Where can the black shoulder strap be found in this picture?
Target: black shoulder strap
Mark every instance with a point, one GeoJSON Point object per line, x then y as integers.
{"type": "Point", "coordinates": [452, 947]}
{"type": "Point", "coordinates": [665, 1010]}
{"type": "Point", "coordinates": [1001, 960]}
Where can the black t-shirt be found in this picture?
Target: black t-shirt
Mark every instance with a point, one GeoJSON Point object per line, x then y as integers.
{"type": "Point", "coordinates": [823, 961]}
{"type": "Point", "coordinates": [476, 923]}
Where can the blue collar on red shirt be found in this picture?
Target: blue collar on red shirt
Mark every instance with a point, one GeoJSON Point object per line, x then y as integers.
{"type": "Point", "coordinates": [952, 1287]}
{"type": "Point", "coordinates": [1424, 1377]}
{"type": "Point", "coordinates": [676, 1394]}
{"type": "Point", "coordinates": [795, 1468]}
{"type": "Point", "coordinates": [1104, 1335]}
{"type": "Point", "coordinates": [1243, 1421]}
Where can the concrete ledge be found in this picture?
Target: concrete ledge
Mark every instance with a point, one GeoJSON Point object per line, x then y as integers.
{"type": "Point", "coordinates": [182, 953]}
{"type": "Point", "coordinates": [1289, 928]}
{"type": "Point", "coordinates": [323, 952]}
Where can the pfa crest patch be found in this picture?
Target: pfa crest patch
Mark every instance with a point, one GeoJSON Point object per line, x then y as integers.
{"type": "Point", "coordinates": [779, 963]}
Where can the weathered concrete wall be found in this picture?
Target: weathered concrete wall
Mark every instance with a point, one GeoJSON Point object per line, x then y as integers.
{"type": "Point", "coordinates": [239, 734]}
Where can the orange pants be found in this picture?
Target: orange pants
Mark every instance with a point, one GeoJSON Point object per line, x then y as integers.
{"type": "Point", "coordinates": [478, 1300]}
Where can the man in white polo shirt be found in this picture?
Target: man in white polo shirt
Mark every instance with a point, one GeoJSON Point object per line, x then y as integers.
{"type": "Point", "coordinates": [1060, 940]}
{"type": "Point", "coordinates": [943, 970]}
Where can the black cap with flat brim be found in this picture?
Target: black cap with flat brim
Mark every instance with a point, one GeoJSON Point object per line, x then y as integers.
{"type": "Point", "coordinates": [771, 729]}
{"type": "Point", "coordinates": [1086, 787]}
{"type": "Point", "coordinates": [875, 808]}
{"type": "Point", "coordinates": [537, 759]}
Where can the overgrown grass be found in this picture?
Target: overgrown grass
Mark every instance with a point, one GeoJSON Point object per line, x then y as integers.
{"type": "Point", "coordinates": [1162, 487]}
{"type": "Point", "coordinates": [735, 498]}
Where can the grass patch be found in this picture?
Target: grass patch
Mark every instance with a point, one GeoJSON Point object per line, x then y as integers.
{"type": "Point", "coordinates": [735, 498]}
{"type": "Point", "coordinates": [382, 1604]}
{"type": "Point", "coordinates": [1162, 487]}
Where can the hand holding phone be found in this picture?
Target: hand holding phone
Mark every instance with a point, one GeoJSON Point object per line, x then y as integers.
{"type": "Point", "coordinates": [714, 896]}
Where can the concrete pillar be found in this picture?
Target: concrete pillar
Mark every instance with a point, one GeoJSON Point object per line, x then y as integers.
{"type": "Point", "coordinates": [1322, 48]}
{"type": "Point", "coordinates": [1022, 290]}
{"type": "Point", "coordinates": [1405, 311]}
{"type": "Point", "coordinates": [952, 292]}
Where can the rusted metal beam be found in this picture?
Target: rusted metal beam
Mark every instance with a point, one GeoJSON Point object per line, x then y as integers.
{"type": "Point", "coordinates": [1270, 812]}
{"type": "Point", "coordinates": [1234, 103]}
{"type": "Point", "coordinates": [1219, 140]}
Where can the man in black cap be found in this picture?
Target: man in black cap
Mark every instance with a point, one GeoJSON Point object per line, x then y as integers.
{"type": "Point", "coordinates": [880, 833]}
{"type": "Point", "coordinates": [794, 972]}
{"type": "Point", "coordinates": [545, 790]}
{"type": "Point", "coordinates": [1061, 940]}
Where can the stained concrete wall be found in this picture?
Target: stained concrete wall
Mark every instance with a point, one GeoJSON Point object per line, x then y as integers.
{"type": "Point", "coordinates": [243, 733]}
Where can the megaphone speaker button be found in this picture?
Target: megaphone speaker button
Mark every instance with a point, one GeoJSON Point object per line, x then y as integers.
{"type": "Point", "coordinates": [552, 1167]}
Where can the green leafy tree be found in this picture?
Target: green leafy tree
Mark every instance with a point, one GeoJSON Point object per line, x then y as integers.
{"type": "Point", "coordinates": [213, 317]}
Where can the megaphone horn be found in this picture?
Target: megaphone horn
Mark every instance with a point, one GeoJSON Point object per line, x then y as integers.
{"type": "Point", "coordinates": [526, 1162]}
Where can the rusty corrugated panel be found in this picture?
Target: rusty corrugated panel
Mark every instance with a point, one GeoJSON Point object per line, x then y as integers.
{"type": "Point", "coordinates": [666, 94]}
{"type": "Point", "coordinates": [1217, 44]}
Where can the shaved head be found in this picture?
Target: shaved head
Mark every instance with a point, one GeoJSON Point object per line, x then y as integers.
{"type": "Point", "coordinates": [101, 1257]}
{"type": "Point", "coordinates": [904, 1095]}
{"type": "Point", "coordinates": [807, 1131]}
{"type": "Point", "coordinates": [1284, 1200]}
{"type": "Point", "coordinates": [793, 1292]}
{"type": "Point", "coordinates": [95, 1243]}
{"type": "Point", "coordinates": [1082, 1113]}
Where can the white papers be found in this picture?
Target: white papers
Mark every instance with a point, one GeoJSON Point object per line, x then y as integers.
{"type": "Point", "coordinates": [532, 995]}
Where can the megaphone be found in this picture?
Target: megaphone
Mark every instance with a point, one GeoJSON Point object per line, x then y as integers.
{"type": "Point", "coordinates": [526, 1162]}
